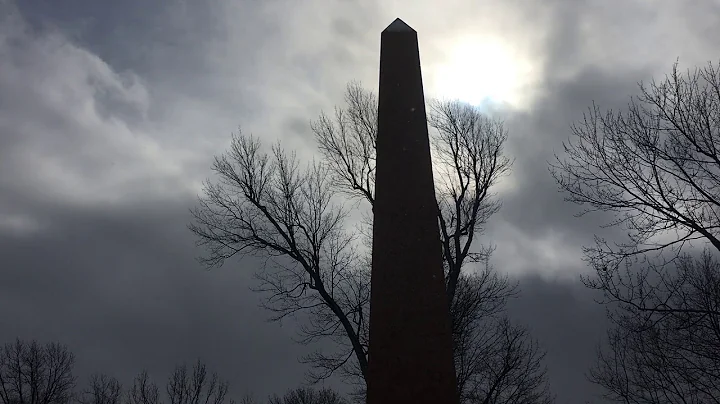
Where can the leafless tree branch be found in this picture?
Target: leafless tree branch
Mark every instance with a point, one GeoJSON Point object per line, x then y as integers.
{"type": "Point", "coordinates": [143, 390]}
{"type": "Point", "coordinates": [264, 205]}
{"type": "Point", "coordinates": [34, 374]}
{"type": "Point", "coordinates": [102, 389]}
{"type": "Point", "coordinates": [656, 167]}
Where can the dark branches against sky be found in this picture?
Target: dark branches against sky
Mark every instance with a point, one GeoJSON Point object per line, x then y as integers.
{"type": "Point", "coordinates": [265, 205]}
{"type": "Point", "coordinates": [656, 167]}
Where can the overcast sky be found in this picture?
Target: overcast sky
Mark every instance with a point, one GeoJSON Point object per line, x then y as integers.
{"type": "Point", "coordinates": [110, 114]}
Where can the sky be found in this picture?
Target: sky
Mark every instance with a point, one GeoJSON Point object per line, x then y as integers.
{"type": "Point", "coordinates": [111, 113]}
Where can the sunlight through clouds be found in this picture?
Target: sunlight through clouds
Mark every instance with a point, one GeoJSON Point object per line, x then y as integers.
{"type": "Point", "coordinates": [478, 69]}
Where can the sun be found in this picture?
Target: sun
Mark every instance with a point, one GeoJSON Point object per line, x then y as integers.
{"type": "Point", "coordinates": [479, 70]}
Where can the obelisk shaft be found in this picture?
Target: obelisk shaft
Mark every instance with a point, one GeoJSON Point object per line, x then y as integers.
{"type": "Point", "coordinates": [410, 352]}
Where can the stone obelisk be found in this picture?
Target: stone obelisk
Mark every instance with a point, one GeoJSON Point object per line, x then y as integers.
{"type": "Point", "coordinates": [410, 348]}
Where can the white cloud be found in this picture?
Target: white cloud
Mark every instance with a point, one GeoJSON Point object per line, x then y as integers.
{"type": "Point", "coordinates": [78, 128]}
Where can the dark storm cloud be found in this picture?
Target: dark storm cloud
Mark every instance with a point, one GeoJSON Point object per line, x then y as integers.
{"type": "Point", "coordinates": [110, 113]}
{"type": "Point", "coordinates": [121, 288]}
{"type": "Point", "coordinates": [561, 315]}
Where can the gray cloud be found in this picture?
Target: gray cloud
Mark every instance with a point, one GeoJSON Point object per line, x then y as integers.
{"type": "Point", "coordinates": [596, 52]}
{"type": "Point", "coordinates": [110, 115]}
{"type": "Point", "coordinates": [121, 288]}
{"type": "Point", "coordinates": [568, 325]}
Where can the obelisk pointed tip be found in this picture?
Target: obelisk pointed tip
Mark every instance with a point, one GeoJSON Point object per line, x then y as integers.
{"type": "Point", "coordinates": [398, 26]}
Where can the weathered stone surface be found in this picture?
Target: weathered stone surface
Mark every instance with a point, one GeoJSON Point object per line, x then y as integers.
{"type": "Point", "coordinates": [410, 354]}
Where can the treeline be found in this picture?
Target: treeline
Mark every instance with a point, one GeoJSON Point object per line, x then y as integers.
{"type": "Point", "coordinates": [32, 373]}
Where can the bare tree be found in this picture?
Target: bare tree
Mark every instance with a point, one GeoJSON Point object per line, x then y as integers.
{"type": "Point", "coordinates": [31, 373]}
{"type": "Point", "coordinates": [347, 140]}
{"type": "Point", "coordinates": [656, 167]}
{"type": "Point", "coordinates": [495, 361]}
{"type": "Point", "coordinates": [143, 390]}
{"type": "Point", "coordinates": [305, 395]}
{"type": "Point", "coordinates": [184, 386]}
{"type": "Point", "coordinates": [469, 152]}
{"type": "Point", "coordinates": [479, 298]}
{"type": "Point", "coordinates": [102, 389]}
{"type": "Point", "coordinates": [666, 348]}
{"type": "Point", "coordinates": [195, 386]}
{"type": "Point", "coordinates": [509, 367]}
{"type": "Point", "coordinates": [248, 398]}
{"type": "Point", "coordinates": [265, 205]}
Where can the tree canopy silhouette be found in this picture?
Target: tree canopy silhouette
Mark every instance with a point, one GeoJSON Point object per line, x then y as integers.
{"type": "Point", "coordinates": [656, 168]}
{"type": "Point", "coordinates": [297, 218]}
{"type": "Point", "coordinates": [31, 373]}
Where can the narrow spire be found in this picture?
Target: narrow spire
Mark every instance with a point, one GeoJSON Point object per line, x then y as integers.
{"type": "Point", "coordinates": [398, 26]}
{"type": "Point", "coordinates": [411, 353]}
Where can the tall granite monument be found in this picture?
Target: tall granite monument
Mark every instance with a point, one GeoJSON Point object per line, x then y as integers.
{"type": "Point", "coordinates": [410, 352]}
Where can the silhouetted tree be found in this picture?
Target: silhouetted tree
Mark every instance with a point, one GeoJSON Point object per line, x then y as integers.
{"type": "Point", "coordinates": [664, 347]}
{"type": "Point", "coordinates": [31, 373]}
{"type": "Point", "coordinates": [266, 205]}
{"type": "Point", "coordinates": [184, 386]}
{"type": "Point", "coordinates": [247, 398]}
{"type": "Point", "coordinates": [102, 389]}
{"type": "Point", "coordinates": [195, 386]}
{"type": "Point", "coordinates": [305, 395]}
{"type": "Point", "coordinates": [510, 367]}
{"type": "Point", "coordinates": [495, 361]}
{"type": "Point", "coordinates": [143, 390]}
{"type": "Point", "coordinates": [656, 167]}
